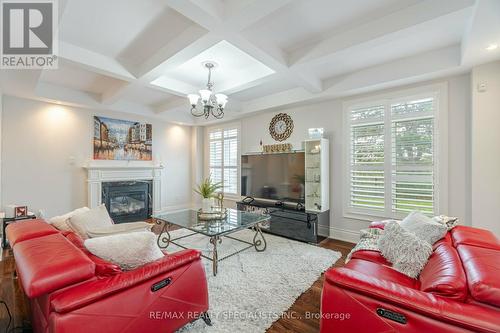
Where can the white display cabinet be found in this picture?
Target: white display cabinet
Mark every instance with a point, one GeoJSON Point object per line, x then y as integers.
{"type": "Point", "coordinates": [317, 170]}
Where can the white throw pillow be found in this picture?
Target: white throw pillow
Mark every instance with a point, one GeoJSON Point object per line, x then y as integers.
{"type": "Point", "coordinates": [61, 222]}
{"type": "Point", "coordinates": [119, 228]}
{"type": "Point", "coordinates": [128, 251]}
{"type": "Point", "coordinates": [424, 227]}
{"type": "Point", "coordinates": [94, 218]}
{"type": "Point", "coordinates": [407, 252]}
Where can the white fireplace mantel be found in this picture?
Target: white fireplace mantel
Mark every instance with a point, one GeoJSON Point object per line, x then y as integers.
{"type": "Point", "coordinates": [97, 174]}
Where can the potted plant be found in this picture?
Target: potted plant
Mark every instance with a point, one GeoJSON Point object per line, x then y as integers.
{"type": "Point", "coordinates": [207, 190]}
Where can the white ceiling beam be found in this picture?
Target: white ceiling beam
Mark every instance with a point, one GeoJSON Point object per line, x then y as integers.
{"type": "Point", "coordinates": [420, 67]}
{"type": "Point", "coordinates": [63, 94]}
{"type": "Point", "coordinates": [187, 45]}
{"type": "Point", "coordinates": [206, 13]}
{"type": "Point", "coordinates": [230, 29]}
{"type": "Point", "coordinates": [373, 31]}
{"type": "Point", "coordinates": [484, 29]}
{"type": "Point", "coordinates": [116, 92]}
{"type": "Point", "coordinates": [253, 12]}
{"type": "Point", "coordinates": [94, 62]}
{"type": "Point", "coordinates": [274, 58]}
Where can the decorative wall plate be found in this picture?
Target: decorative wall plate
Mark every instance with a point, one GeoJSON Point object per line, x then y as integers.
{"type": "Point", "coordinates": [281, 127]}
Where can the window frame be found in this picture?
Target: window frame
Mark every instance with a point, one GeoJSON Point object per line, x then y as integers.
{"type": "Point", "coordinates": [223, 127]}
{"type": "Point", "coordinates": [440, 169]}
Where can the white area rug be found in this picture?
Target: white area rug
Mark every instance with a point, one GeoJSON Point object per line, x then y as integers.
{"type": "Point", "coordinates": [252, 289]}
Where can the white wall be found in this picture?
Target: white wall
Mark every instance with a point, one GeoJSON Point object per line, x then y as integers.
{"type": "Point", "coordinates": [44, 147]}
{"type": "Point", "coordinates": [486, 147]}
{"type": "Point", "coordinates": [329, 116]}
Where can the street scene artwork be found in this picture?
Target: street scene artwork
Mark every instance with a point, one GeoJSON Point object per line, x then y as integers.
{"type": "Point", "coordinates": [116, 139]}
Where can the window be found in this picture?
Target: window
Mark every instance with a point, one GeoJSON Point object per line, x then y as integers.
{"type": "Point", "coordinates": [223, 161]}
{"type": "Point", "coordinates": [392, 165]}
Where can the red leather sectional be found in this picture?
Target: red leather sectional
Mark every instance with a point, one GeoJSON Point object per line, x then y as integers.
{"type": "Point", "coordinates": [73, 291]}
{"type": "Point", "coordinates": [457, 291]}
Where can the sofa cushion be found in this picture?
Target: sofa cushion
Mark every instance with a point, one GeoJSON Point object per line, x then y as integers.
{"type": "Point", "coordinates": [50, 263]}
{"type": "Point", "coordinates": [474, 236]}
{"type": "Point", "coordinates": [28, 229]}
{"type": "Point", "coordinates": [102, 267]}
{"type": "Point", "coordinates": [382, 272]}
{"type": "Point", "coordinates": [443, 274]}
{"type": "Point", "coordinates": [482, 266]}
{"type": "Point", "coordinates": [445, 240]}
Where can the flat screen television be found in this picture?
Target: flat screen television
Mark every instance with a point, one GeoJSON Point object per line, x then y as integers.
{"type": "Point", "coordinates": [273, 176]}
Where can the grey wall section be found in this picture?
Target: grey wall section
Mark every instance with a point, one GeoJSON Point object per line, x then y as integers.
{"type": "Point", "coordinates": [44, 147]}
{"type": "Point", "coordinates": [485, 195]}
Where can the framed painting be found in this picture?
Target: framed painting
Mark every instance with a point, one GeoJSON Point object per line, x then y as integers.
{"type": "Point", "coordinates": [116, 139]}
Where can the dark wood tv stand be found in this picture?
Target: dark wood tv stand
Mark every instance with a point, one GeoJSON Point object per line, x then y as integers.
{"type": "Point", "coordinates": [288, 220]}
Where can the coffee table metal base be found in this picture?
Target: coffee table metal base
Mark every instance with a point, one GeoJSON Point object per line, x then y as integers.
{"type": "Point", "coordinates": [258, 242]}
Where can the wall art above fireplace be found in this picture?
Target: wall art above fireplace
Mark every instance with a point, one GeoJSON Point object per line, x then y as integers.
{"type": "Point", "coordinates": [116, 139]}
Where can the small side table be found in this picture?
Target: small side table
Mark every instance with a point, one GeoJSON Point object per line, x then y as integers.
{"type": "Point", "coordinates": [8, 220]}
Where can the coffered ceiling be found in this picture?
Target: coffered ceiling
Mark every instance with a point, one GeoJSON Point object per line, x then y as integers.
{"type": "Point", "coordinates": [144, 56]}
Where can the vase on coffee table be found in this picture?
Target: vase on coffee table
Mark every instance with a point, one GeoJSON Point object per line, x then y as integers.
{"type": "Point", "coordinates": [206, 205]}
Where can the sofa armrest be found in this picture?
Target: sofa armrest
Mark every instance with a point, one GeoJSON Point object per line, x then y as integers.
{"type": "Point", "coordinates": [93, 290]}
{"type": "Point", "coordinates": [475, 317]}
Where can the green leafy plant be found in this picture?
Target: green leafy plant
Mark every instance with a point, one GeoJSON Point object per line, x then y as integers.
{"type": "Point", "coordinates": [207, 188]}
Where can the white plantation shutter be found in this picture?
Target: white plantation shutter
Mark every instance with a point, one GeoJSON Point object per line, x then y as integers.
{"type": "Point", "coordinates": [223, 157]}
{"type": "Point", "coordinates": [392, 157]}
{"type": "Point", "coordinates": [367, 158]}
{"type": "Point", "coordinates": [413, 156]}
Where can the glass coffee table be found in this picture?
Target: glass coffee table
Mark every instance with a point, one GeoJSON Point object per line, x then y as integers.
{"type": "Point", "coordinates": [236, 220]}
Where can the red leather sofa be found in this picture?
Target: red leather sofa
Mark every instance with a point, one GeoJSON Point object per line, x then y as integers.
{"type": "Point", "coordinates": [73, 291]}
{"type": "Point", "coordinates": [457, 291]}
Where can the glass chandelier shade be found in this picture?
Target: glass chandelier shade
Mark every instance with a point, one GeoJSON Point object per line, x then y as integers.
{"type": "Point", "coordinates": [211, 103]}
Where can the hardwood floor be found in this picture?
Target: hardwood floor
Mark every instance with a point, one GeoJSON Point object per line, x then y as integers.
{"type": "Point", "coordinates": [302, 316]}
{"type": "Point", "coordinates": [294, 320]}
{"type": "Point", "coordinates": [11, 293]}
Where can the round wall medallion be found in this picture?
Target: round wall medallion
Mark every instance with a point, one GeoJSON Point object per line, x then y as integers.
{"type": "Point", "coordinates": [281, 127]}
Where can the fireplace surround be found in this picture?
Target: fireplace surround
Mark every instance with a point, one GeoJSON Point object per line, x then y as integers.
{"type": "Point", "coordinates": [133, 176]}
{"type": "Point", "coordinates": [128, 201]}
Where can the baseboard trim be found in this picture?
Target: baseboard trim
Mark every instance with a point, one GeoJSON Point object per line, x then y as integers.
{"type": "Point", "coordinates": [345, 235]}
{"type": "Point", "coordinates": [324, 231]}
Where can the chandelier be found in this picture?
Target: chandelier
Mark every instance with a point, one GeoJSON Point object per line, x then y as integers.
{"type": "Point", "coordinates": [210, 103]}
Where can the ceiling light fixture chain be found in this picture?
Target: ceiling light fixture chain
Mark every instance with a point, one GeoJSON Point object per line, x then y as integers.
{"type": "Point", "coordinates": [211, 103]}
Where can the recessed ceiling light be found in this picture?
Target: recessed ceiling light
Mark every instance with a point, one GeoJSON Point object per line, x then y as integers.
{"type": "Point", "coordinates": [492, 47]}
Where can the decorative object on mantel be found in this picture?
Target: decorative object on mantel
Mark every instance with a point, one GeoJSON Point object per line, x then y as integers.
{"type": "Point", "coordinates": [315, 133]}
{"type": "Point", "coordinates": [278, 148]}
{"type": "Point", "coordinates": [207, 190]}
{"type": "Point", "coordinates": [116, 139]}
{"type": "Point", "coordinates": [211, 103]}
{"type": "Point", "coordinates": [281, 127]}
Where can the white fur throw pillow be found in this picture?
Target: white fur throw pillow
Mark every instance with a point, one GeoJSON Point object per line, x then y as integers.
{"type": "Point", "coordinates": [94, 218]}
{"type": "Point", "coordinates": [128, 251]}
{"type": "Point", "coordinates": [424, 227]}
{"type": "Point", "coordinates": [61, 222]}
{"type": "Point", "coordinates": [407, 252]}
